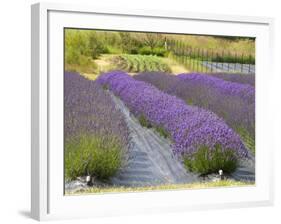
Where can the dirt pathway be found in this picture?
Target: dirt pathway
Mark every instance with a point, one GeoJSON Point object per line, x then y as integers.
{"type": "Point", "coordinates": [151, 161]}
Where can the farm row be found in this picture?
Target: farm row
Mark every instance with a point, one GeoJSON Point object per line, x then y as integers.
{"type": "Point", "coordinates": [209, 120]}
{"type": "Point", "coordinates": [138, 63]}
{"type": "Point", "coordinates": [96, 135]}
{"type": "Point", "coordinates": [232, 101]}
{"type": "Point", "coordinates": [152, 63]}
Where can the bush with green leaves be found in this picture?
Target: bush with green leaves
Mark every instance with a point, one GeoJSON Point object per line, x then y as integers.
{"type": "Point", "coordinates": [206, 161]}
{"type": "Point", "coordinates": [97, 156]}
{"type": "Point", "coordinates": [144, 122]}
{"type": "Point", "coordinates": [162, 132]}
{"type": "Point", "coordinates": [158, 51]}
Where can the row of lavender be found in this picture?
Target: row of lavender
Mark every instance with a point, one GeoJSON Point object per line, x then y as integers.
{"type": "Point", "coordinates": [91, 123]}
{"type": "Point", "coordinates": [234, 102]}
{"type": "Point", "coordinates": [189, 127]}
{"type": "Point", "coordinates": [234, 77]}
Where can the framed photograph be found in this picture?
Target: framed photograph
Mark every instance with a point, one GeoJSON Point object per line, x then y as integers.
{"type": "Point", "coordinates": [139, 111]}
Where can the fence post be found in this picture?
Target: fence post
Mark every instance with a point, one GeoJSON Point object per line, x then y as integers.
{"type": "Point", "coordinates": [193, 61]}
{"type": "Point", "coordinates": [222, 60]}
{"type": "Point", "coordinates": [217, 54]}
{"type": "Point", "coordinates": [207, 56]}
{"type": "Point", "coordinates": [242, 62]}
{"type": "Point", "coordinates": [197, 59]}
{"type": "Point", "coordinates": [235, 62]}
{"type": "Point", "coordinates": [228, 57]}
{"type": "Point", "coordinates": [250, 57]}
{"type": "Point", "coordinates": [202, 59]}
{"type": "Point", "coordinates": [212, 54]}
{"type": "Point", "coordinates": [189, 61]}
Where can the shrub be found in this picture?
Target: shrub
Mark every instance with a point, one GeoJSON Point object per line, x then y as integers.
{"type": "Point", "coordinates": [97, 156]}
{"type": "Point", "coordinates": [144, 122]}
{"type": "Point", "coordinates": [145, 51]}
{"type": "Point", "coordinates": [162, 131]}
{"type": "Point", "coordinates": [159, 51]}
{"type": "Point", "coordinates": [206, 161]}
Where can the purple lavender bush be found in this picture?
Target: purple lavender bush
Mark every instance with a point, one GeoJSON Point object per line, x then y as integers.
{"type": "Point", "coordinates": [233, 102]}
{"type": "Point", "coordinates": [244, 91]}
{"type": "Point", "coordinates": [239, 78]}
{"type": "Point", "coordinates": [95, 132]}
{"type": "Point", "coordinates": [190, 128]}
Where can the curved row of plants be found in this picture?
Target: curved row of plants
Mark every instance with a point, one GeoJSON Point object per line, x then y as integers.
{"type": "Point", "coordinates": [239, 78]}
{"type": "Point", "coordinates": [234, 102]}
{"type": "Point", "coordinates": [95, 132]}
{"type": "Point", "coordinates": [202, 139]}
{"type": "Point", "coordinates": [245, 92]}
{"type": "Point", "coordinates": [140, 63]}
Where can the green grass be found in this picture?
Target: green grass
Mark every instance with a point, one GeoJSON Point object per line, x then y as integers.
{"type": "Point", "coordinates": [197, 185]}
{"type": "Point", "coordinates": [145, 123]}
{"type": "Point", "coordinates": [97, 156]}
{"type": "Point", "coordinates": [134, 63]}
{"type": "Point", "coordinates": [248, 140]}
{"type": "Point", "coordinates": [217, 44]}
{"type": "Point", "coordinates": [191, 64]}
{"type": "Point", "coordinates": [82, 64]}
{"type": "Point", "coordinates": [206, 161]}
{"type": "Point", "coordinates": [162, 132]}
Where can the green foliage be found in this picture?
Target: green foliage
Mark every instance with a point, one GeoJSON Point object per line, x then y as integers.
{"type": "Point", "coordinates": [144, 122]}
{"type": "Point", "coordinates": [98, 156]}
{"type": "Point", "coordinates": [96, 45]}
{"type": "Point", "coordinates": [158, 51]}
{"type": "Point", "coordinates": [145, 50]}
{"type": "Point", "coordinates": [248, 140]}
{"type": "Point", "coordinates": [129, 44]}
{"type": "Point", "coordinates": [162, 131]}
{"type": "Point", "coordinates": [83, 64]}
{"type": "Point", "coordinates": [141, 63]}
{"type": "Point", "coordinates": [206, 161]}
{"type": "Point", "coordinates": [229, 58]}
{"type": "Point", "coordinates": [105, 87]}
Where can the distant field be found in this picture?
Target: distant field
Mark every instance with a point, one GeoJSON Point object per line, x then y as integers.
{"type": "Point", "coordinates": [238, 45]}
{"type": "Point", "coordinates": [140, 63]}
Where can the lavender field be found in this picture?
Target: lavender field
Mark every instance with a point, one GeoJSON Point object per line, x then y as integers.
{"type": "Point", "coordinates": [155, 129]}
{"type": "Point", "coordinates": [93, 129]}
{"type": "Point", "coordinates": [232, 101]}
{"type": "Point", "coordinates": [157, 111]}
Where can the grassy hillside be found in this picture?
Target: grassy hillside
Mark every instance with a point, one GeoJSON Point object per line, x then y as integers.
{"type": "Point", "coordinates": [89, 51]}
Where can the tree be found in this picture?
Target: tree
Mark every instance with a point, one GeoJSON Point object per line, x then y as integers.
{"type": "Point", "coordinates": [153, 40]}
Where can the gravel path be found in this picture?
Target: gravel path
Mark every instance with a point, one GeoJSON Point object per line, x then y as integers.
{"type": "Point", "coordinates": [246, 170]}
{"type": "Point", "coordinates": [230, 67]}
{"type": "Point", "coordinates": [151, 161]}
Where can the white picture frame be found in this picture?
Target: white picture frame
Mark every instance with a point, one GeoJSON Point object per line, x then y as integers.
{"type": "Point", "coordinates": [47, 199]}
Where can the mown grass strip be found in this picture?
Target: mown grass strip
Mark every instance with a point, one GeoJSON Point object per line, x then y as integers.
{"type": "Point", "coordinates": [198, 185]}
